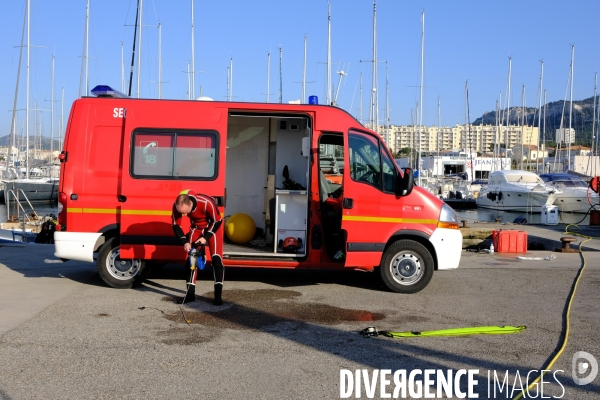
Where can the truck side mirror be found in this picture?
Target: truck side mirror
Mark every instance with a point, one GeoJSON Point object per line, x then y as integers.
{"type": "Point", "coordinates": [405, 183]}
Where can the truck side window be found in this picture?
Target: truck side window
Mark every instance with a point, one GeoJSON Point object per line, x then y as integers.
{"type": "Point", "coordinates": [370, 163]}
{"type": "Point", "coordinates": [174, 154]}
{"type": "Point", "coordinates": [365, 163]}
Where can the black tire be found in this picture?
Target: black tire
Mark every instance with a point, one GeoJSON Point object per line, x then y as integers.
{"type": "Point", "coordinates": [406, 267]}
{"type": "Point", "coordinates": [117, 273]}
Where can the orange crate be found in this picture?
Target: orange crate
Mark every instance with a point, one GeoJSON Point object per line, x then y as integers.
{"type": "Point", "coordinates": [509, 241]}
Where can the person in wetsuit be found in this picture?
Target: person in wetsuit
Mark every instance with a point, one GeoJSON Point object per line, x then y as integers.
{"type": "Point", "coordinates": [205, 220]}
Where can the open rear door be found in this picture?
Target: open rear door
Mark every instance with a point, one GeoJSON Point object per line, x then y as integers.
{"type": "Point", "coordinates": [168, 147]}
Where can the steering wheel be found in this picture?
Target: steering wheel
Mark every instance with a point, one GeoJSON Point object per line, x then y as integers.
{"type": "Point", "coordinates": [369, 177]}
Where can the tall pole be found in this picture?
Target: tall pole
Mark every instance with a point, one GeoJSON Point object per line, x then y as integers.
{"type": "Point", "coordinates": [139, 67]}
{"type": "Point", "coordinates": [137, 14]}
{"type": "Point", "coordinates": [470, 138]}
{"type": "Point", "coordinates": [268, 74]}
{"type": "Point", "coordinates": [360, 108]}
{"type": "Point", "coordinates": [421, 89]}
{"type": "Point", "coordinates": [537, 158]}
{"type": "Point", "coordinates": [193, 77]}
{"type": "Point", "coordinates": [507, 109]}
{"type": "Point", "coordinates": [62, 118]}
{"type": "Point", "coordinates": [27, 95]}
{"type": "Point", "coordinates": [328, 80]}
{"type": "Point", "coordinates": [189, 75]}
{"type": "Point", "coordinates": [303, 97]}
{"type": "Point", "coordinates": [372, 105]}
{"type": "Point", "coordinates": [230, 78]}
{"type": "Point", "coordinates": [52, 114]}
{"type": "Point", "coordinates": [544, 129]}
{"type": "Point", "coordinates": [570, 109]}
{"type": "Point", "coordinates": [437, 139]}
{"type": "Point", "coordinates": [159, 60]}
{"type": "Point", "coordinates": [522, 122]}
{"type": "Point", "coordinates": [387, 109]}
{"type": "Point", "coordinates": [280, 74]}
{"type": "Point", "coordinates": [122, 69]}
{"type": "Point", "coordinates": [594, 117]}
{"type": "Point", "coordinates": [87, 38]}
{"type": "Point", "coordinates": [13, 125]}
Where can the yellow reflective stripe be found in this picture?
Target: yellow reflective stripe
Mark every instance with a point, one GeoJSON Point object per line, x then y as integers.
{"type": "Point", "coordinates": [146, 212]}
{"type": "Point", "coordinates": [361, 218]}
{"type": "Point", "coordinates": [75, 210]}
{"type": "Point", "coordinates": [100, 210]}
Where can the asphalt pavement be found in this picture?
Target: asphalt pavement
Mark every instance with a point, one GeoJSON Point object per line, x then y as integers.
{"type": "Point", "coordinates": [283, 334]}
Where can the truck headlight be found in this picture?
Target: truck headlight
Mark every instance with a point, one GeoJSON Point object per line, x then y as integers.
{"type": "Point", "coordinates": [448, 218]}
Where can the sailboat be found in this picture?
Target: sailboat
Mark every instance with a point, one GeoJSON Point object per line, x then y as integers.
{"type": "Point", "coordinates": [28, 187]}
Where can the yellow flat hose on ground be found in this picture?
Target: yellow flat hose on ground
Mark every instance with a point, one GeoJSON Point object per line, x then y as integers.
{"type": "Point", "coordinates": [475, 330]}
{"type": "Point", "coordinates": [569, 303]}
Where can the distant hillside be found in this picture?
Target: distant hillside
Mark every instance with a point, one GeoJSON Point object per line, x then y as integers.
{"type": "Point", "coordinates": [583, 117]}
{"type": "Point", "coordinates": [45, 145]}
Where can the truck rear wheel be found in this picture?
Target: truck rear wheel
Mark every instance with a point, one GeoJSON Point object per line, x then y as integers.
{"type": "Point", "coordinates": [406, 267]}
{"type": "Point", "coordinates": [116, 272]}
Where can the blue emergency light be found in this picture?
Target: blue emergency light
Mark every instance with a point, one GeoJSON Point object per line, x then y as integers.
{"type": "Point", "coordinates": [107, 91]}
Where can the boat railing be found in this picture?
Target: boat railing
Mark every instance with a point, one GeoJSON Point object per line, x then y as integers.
{"type": "Point", "coordinates": [19, 205]}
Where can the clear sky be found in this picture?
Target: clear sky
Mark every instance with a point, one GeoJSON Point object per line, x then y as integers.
{"type": "Point", "coordinates": [464, 40]}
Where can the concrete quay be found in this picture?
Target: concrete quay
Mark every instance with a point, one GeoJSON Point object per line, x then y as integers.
{"type": "Point", "coordinates": [285, 334]}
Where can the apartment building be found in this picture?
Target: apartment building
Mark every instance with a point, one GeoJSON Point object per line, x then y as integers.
{"type": "Point", "coordinates": [480, 138]}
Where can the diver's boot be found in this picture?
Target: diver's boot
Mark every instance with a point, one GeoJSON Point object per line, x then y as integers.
{"type": "Point", "coordinates": [218, 291]}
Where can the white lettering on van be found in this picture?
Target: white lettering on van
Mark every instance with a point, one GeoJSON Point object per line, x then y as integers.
{"type": "Point", "coordinates": [118, 112]}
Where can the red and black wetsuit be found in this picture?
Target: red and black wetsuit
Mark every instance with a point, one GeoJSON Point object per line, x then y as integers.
{"type": "Point", "coordinates": [205, 220]}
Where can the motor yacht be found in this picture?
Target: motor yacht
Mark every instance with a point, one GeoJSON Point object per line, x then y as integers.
{"type": "Point", "coordinates": [516, 190]}
{"type": "Point", "coordinates": [576, 196]}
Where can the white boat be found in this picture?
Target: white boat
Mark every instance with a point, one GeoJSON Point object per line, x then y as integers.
{"type": "Point", "coordinates": [516, 191]}
{"type": "Point", "coordinates": [576, 196]}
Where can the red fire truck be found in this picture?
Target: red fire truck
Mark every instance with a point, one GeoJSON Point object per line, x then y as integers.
{"type": "Point", "coordinates": [125, 160]}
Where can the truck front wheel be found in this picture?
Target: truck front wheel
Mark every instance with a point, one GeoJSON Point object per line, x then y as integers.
{"type": "Point", "coordinates": [406, 267]}
{"type": "Point", "coordinates": [116, 272]}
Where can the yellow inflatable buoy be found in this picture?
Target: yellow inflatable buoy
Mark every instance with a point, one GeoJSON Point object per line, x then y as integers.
{"type": "Point", "coordinates": [240, 228]}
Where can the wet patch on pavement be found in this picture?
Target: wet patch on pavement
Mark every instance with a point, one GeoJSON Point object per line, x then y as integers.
{"type": "Point", "coordinates": [255, 309]}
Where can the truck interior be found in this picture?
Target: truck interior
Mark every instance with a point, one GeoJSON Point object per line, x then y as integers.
{"type": "Point", "coordinates": [267, 177]}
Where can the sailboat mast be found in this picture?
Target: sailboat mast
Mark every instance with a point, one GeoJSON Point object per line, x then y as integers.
{"type": "Point", "coordinates": [594, 115]}
{"type": "Point", "coordinates": [303, 97]}
{"type": "Point", "coordinates": [280, 74]}
{"type": "Point", "coordinates": [421, 89]}
{"type": "Point", "coordinates": [159, 60]}
{"type": "Point", "coordinates": [193, 77]}
{"type": "Point", "coordinates": [137, 14]}
{"type": "Point", "coordinates": [570, 109]}
{"type": "Point", "coordinates": [387, 109]}
{"type": "Point", "coordinates": [139, 67]}
{"type": "Point", "coordinates": [360, 112]}
{"type": "Point", "coordinates": [522, 122]}
{"type": "Point", "coordinates": [374, 74]}
{"type": "Point", "coordinates": [507, 109]}
{"type": "Point", "coordinates": [537, 158]}
{"type": "Point", "coordinates": [27, 95]}
{"type": "Point", "coordinates": [62, 118]}
{"type": "Point", "coordinates": [87, 39]}
{"type": "Point", "coordinates": [13, 125]}
{"type": "Point", "coordinates": [122, 69]}
{"type": "Point", "coordinates": [231, 79]}
{"type": "Point", "coordinates": [329, 94]}
{"type": "Point", "coordinates": [437, 139]}
{"type": "Point", "coordinates": [52, 114]}
{"type": "Point", "coordinates": [268, 74]}
{"type": "Point", "coordinates": [544, 131]}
